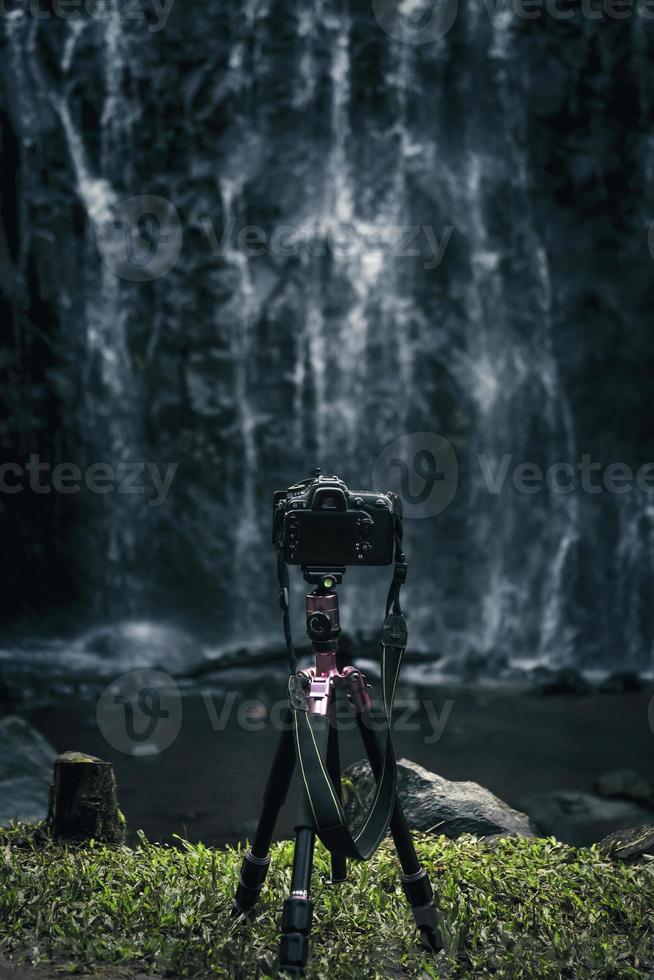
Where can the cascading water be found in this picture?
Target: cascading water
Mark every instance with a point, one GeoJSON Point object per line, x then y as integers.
{"type": "Point", "coordinates": [499, 368]}
{"type": "Point", "coordinates": [95, 302]}
{"type": "Point", "coordinates": [249, 367]}
{"type": "Point", "coordinates": [248, 540]}
{"type": "Point", "coordinates": [109, 384]}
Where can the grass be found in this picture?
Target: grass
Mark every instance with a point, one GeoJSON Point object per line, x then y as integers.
{"type": "Point", "coordinates": [523, 910]}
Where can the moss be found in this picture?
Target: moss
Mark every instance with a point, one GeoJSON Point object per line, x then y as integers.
{"type": "Point", "coordinates": [524, 909]}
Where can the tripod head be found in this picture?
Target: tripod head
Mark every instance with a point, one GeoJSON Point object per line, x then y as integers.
{"type": "Point", "coordinates": [323, 624]}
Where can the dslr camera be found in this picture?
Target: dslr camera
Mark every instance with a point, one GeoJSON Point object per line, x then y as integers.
{"type": "Point", "coordinates": [319, 522]}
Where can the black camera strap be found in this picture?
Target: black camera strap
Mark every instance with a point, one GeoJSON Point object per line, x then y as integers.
{"type": "Point", "coordinates": [400, 569]}
{"type": "Point", "coordinates": [282, 577]}
{"type": "Point", "coordinates": [312, 730]}
{"type": "Point", "coordinates": [311, 740]}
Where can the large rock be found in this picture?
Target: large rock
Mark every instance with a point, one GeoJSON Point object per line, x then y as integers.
{"type": "Point", "coordinates": [34, 672]}
{"type": "Point", "coordinates": [135, 644]}
{"type": "Point", "coordinates": [431, 802]}
{"type": "Point", "coordinates": [567, 680]}
{"type": "Point", "coordinates": [631, 845]}
{"type": "Point", "coordinates": [582, 818]}
{"type": "Point", "coordinates": [25, 771]}
{"type": "Point", "coordinates": [622, 682]}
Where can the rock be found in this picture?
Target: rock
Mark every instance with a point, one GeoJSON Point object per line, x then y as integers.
{"type": "Point", "coordinates": [431, 802]}
{"type": "Point", "coordinates": [629, 845]}
{"type": "Point", "coordinates": [36, 672]}
{"type": "Point", "coordinates": [25, 771]}
{"type": "Point", "coordinates": [138, 644]}
{"type": "Point", "coordinates": [582, 818]}
{"type": "Point", "coordinates": [624, 783]}
{"type": "Point", "coordinates": [621, 682]}
{"type": "Point", "coordinates": [84, 801]}
{"type": "Point", "coordinates": [565, 681]}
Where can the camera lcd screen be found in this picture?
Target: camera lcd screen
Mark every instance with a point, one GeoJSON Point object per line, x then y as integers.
{"type": "Point", "coordinates": [327, 541]}
{"type": "Point", "coordinates": [324, 538]}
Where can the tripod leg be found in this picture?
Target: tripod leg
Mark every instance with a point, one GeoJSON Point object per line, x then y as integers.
{"type": "Point", "coordinates": [339, 862]}
{"type": "Point", "coordinates": [415, 882]}
{"type": "Point", "coordinates": [298, 909]}
{"type": "Point", "coordinates": [257, 859]}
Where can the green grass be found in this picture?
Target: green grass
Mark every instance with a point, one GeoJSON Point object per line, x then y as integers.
{"type": "Point", "coordinates": [531, 909]}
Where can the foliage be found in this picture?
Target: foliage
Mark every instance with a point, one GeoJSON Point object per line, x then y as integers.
{"type": "Point", "coordinates": [521, 909]}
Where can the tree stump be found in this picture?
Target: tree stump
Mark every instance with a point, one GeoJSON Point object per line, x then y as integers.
{"type": "Point", "coordinates": [83, 800]}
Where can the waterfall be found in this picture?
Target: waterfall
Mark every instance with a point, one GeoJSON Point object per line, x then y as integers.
{"type": "Point", "coordinates": [108, 415]}
{"type": "Point", "coordinates": [498, 368]}
{"type": "Point", "coordinates": [111, 402]}
{"type": "Point", "coordinates": [247, 540]}
{"type": "Point", "coordinates": [26, 117]}
{"type": "Point", "coordinates": [249, 369]}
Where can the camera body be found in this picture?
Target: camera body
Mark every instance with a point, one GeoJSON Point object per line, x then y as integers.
{"type": "Point", "coordinates": [319, 522]}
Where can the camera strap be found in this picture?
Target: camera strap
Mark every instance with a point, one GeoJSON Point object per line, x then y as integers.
{"type": "Point", "coordinates": [282, 577]}
{"type": "Point", "coordinates": [311, 739]}
{"type": "Point", "coordinates": [311, 731]}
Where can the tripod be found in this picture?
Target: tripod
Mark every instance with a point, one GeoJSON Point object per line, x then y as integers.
{"type": "Point", "coordinates": [314, 691]}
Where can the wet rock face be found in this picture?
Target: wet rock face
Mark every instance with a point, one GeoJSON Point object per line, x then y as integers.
{"type": "Point", "coordinates": [431, 802]}
{"type": "Point", "coordinates": [338, 238]}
